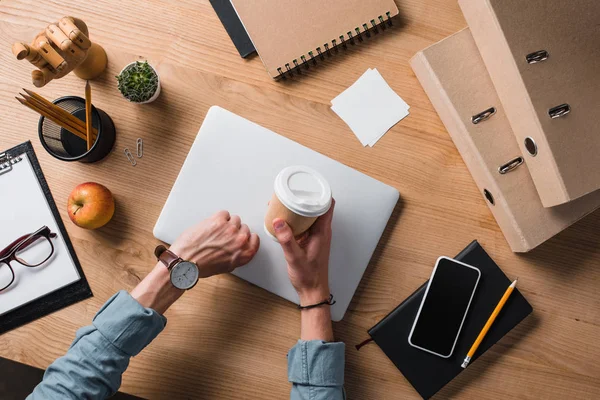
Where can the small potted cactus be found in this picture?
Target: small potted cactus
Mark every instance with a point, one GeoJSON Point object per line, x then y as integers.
{"type": "Point", "coordinates": [139, 82]}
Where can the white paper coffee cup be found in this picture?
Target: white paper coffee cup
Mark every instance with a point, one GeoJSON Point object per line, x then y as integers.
{"type": "Point", "coordinates": [300, 196]}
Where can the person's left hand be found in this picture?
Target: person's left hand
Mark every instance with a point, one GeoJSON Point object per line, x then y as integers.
{"type": "Point", "coordinates": [218, 244]}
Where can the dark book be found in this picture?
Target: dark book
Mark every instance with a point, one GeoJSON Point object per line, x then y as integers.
{"type": "Point", "coordinates": [428, 373]}
{"type": "Point", "coordinates": [234, 27]}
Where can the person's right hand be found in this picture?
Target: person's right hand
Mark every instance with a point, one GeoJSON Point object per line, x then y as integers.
{"type": "Point", "coordinates": [218, 244]}
{"type": "Point", "coordinates": [308, 257]}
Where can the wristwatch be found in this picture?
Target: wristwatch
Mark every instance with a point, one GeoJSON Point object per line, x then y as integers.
{"type": "Point", "coordinates": [184, 274]}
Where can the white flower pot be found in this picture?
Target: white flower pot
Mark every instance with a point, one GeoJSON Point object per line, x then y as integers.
{"type": "Point", "coordinates": [155, 95]}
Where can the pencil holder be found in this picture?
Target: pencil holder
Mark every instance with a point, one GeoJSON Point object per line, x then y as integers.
{"type": "Point", "coordinates": [66, 146]}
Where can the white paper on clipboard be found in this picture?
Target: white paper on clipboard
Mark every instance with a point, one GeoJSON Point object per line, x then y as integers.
{"type": "Point", "coordinates": [24, 209]}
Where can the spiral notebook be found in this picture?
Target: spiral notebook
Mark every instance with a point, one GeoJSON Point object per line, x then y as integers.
{"type": "Point", "coordinates": [290, 35]}
{"type": "Point", "coordinates": [27, 205]}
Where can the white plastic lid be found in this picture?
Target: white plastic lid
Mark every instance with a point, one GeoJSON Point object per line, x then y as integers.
{"type": "Point", "coordinates": [303, 190]}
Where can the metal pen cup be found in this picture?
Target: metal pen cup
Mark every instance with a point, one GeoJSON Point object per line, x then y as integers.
{"type": "Point", "coordinates": [66, 146]}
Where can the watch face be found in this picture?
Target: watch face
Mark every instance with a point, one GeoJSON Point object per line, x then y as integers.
{"type": "Point", "coordinates": [184, 275]}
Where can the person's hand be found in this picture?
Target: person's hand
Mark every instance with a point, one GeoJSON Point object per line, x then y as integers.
{"type": "Point", "coordinates": [308, 257]}
{"type": "Point", "coordinates": [218, 244]}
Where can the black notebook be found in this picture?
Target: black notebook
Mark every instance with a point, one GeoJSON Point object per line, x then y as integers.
{"type": "Point", "coordinates": [27, 206]}
{"type": "Point", "coordinates": [429, 373]}
{"type": "Point", "coordinates": [234, 27]}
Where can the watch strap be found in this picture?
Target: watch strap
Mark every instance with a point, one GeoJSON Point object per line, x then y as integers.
{"type": "Point", "coordinates": [167, 257]}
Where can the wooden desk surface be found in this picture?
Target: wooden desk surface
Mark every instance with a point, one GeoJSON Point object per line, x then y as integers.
{"type": "Point", "coordinates": [227, 339]}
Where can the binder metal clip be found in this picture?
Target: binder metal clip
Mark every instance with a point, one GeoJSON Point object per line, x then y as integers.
{"type": "Point", "coordinates": [511, 165]}
{"type": "Point", "coordinates": [537, 56]}
{"type": "Point", "coordinates": [482, 116]}
{"type": "Point", "coordinates": [559, 111]}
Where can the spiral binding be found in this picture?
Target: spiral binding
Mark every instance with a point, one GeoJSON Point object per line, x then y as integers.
{"type": "Point", "coordinates": [320, 52]}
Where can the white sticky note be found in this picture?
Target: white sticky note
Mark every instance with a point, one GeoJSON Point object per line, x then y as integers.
{"type": "Point", "coordinates": [372, 143]}
{"type": "Point", "coordinates": [370, 107]}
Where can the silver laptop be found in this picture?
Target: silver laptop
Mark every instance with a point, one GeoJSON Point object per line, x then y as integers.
{"type": "Point", "coordinates": [232, 165]}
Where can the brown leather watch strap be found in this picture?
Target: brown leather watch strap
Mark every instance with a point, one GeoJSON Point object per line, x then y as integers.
{"type": "Point", "coordinates": [167, 257]}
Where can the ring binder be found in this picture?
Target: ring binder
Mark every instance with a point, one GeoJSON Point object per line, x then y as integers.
{"type": "Point", "coordinates": [537, 56]}
{"type": "Point", "coordinates": [382, 21]}
{"type": "Point", "coordinates": [490, 148]}
{"type": "Point", "coordinates": [559, 111]}
{"type": "Point", "coordinates": [482, 116]}
{"type": "Point", "coordinates": [567, 166]}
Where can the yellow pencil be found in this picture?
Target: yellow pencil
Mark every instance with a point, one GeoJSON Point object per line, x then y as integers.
{"type": "Point", "coordinates": [489, 323]}
{"type": "Point", "coordinates": [88, 115]}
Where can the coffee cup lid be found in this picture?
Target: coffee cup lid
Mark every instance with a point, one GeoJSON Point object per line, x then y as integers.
{"type": "Point", "coordinates": [303, 190]}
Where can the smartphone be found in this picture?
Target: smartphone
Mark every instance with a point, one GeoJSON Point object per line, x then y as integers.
{"type": "Point", "coordinates": [444, 307]}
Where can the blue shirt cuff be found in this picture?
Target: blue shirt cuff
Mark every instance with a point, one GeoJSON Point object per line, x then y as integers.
{"type": "Point", "coordinates": [127, 325]}
{"type": "Point", "coordinates": [316, 363]}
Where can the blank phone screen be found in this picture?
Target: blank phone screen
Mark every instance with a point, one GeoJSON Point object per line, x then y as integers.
{"type": "Point", "coordinates": [445, 307]}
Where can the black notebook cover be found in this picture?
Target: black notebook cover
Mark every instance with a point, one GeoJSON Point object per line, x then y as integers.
{"type": "Point", "coordinates": [234, 27]}
{"type": "Point", "coordinates": [60, 298]}
{"type": "Point", "coordinates": [429, 373]}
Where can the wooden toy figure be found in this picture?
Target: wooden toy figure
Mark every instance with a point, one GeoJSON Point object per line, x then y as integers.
{"type": "Point", "coordinates": [61, 48]}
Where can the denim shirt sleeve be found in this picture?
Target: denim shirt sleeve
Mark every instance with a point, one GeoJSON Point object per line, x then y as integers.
{"type": "Point", "coordinates": [93, 366]}
{"type": "Point", "coordinates": [316, 370]}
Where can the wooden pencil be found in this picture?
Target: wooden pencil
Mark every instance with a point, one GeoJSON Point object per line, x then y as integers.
{"type": "Point", "coordinates": [60, 110]}
{"type": "Point", "coordinates": [88, 114]}
{"type": "Point", "coordinates": [56, 112]}
{"type": "Point", "coordinates": [50, 105]}
{"type": "Point", "coordinates": [488, 324]}
{"type": "Point", "coordinates": [54, 118]}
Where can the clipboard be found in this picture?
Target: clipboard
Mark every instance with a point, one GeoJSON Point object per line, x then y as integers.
{"type": "Point", "coordinates": [56, 299]}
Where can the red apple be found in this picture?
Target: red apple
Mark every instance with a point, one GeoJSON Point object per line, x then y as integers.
{"type": "Point", "coordinates": [91, 205]}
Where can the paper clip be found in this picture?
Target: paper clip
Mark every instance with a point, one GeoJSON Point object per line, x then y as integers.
{"type": "Point", "coordinates": [140, 147]}
{"type": "Point", "coordinates": [130, 157]}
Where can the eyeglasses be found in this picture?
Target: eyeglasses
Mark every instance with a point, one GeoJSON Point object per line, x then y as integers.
{"type": "Point", "coordinates": [30, 250]}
